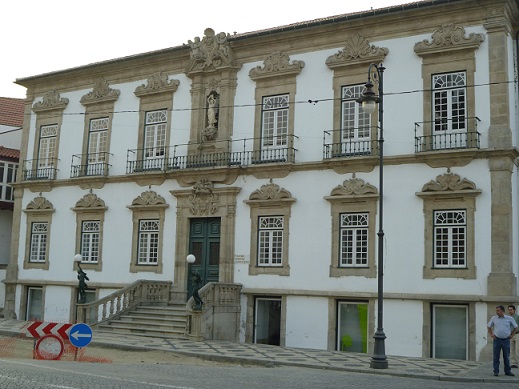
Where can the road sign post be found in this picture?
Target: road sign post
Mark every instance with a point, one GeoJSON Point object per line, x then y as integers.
{"type": "Point", "coordinates": [80, 335]}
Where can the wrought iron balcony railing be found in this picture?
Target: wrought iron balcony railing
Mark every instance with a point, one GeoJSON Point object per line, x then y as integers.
{"type": "Point", "coordinates": [94, 164]}
{"type": "Point", "coordinates": [235, 153]}
{"type": "Point", "coordinates": [336, 143]}
{"type": "Point", "coordinates": [446, 134]}
{"type": "Point", "coordinates": [39, 169]}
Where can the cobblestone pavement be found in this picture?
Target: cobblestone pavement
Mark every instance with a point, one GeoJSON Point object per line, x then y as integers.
{"type": "Point", "coordinates": [438, 369]}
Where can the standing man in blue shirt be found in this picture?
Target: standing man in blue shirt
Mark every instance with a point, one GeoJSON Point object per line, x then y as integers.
{"type": "Point", "coordinates": [500, 329]}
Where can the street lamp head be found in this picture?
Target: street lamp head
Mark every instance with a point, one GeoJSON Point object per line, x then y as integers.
{"type": "Point", "coordinates": [369, 99]}
{"type": "Point", "coordinates": [78, 258]}
{"type": "Point", "coordinates": [190, 258]}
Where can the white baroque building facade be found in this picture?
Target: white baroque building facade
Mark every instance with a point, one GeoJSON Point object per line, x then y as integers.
{"type": "Point", "coordinates": [250, 152]}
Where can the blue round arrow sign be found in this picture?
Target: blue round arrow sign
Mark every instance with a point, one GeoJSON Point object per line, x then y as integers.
{"type": "Point", "coordinates": [80, 335]}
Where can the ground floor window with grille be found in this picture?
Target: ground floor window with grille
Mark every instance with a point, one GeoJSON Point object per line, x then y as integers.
{"type": "Point", "coordinates": [34, 303]}
{"type": "Point", "coordinates": [38, 248]}
{"type": "Point", "coordinates": [90, 234]}
{"type": "Point", "coordinates": [352, 326]}
{"type": "Point", "coordinates": [449, 331]}
{"type": "Point", "coordinates": [354, 239]}
{"type": "Point", "coordinates": [267, 321]}
{"type": "Point", "coordinates": [450, 227]}
{"type": "Point", "coordinates": [270, 240]}
{"type": "Point", "coordinates": [148, 247]}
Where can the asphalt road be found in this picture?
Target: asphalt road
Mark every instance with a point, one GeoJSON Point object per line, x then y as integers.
{"type": "Point", "coordinates": [41, 374]}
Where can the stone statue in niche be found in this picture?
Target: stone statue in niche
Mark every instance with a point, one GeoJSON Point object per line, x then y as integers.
{"type": "Point", "coordinates": [213, 102]}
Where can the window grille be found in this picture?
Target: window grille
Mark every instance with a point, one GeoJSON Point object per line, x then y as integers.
{"type": "Point", "coordinates": [275, 121]}
{"type": "Point", "coordinates": [354, 240]}
{"type": "Point", "coordinates": [155, 134]}
{"type": "Point", "coordinates": [450, 240]}
{"type": "Point", "coordinates": [270, 240]}
{"type": "Point", "coordinates": [39, 238]}
{"type": "Point", "coordinates": [148, 240]}
{"type": "Point", "coordinates": [90, 237]}
{"type": "Point", "coordinates": [449, 100]}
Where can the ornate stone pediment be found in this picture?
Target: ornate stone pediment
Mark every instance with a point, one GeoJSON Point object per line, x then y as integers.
{"type": "Point", "coordinates": [356, 51]}
{"type": "Point", "coordinates": [276, 64]}
{"type": "Point", "coordinates": [157, 83]}
{"type": "Point", "coordinates": [101, 93]}
{"type": "Point", "coordinates": [40, 203]}
{"type": "Point", "coordinates": [203, 201]}
{"type": "Point", "coordinates": [90, 201]}
{"type": "Point", "coordinates": [51, 101]}
{"type": "Point", "coordinates": [211, 52]}
{"type": "Point", "coordinates": [270, 191]}
{"type": "Point", "coordinates": [149, 198]}
{"type": "Point", "coordinates": [354, 187]}
{"type": "Point", "coordinates": [447, 38]}
{"type": "Point", "coordinates": [449, 182]}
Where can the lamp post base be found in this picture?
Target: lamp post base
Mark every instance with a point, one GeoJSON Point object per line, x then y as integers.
{"type": "Point", "coordinates": [379, 359]}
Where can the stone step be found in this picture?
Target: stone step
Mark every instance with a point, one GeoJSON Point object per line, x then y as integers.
{"type": "Point", "coordinates": [142, 331]}
{"type": "Point", "coordinates": [151, 321]}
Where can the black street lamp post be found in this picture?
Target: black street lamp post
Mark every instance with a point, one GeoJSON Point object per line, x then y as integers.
{"type": "Point", "coordinates": [369, 100]}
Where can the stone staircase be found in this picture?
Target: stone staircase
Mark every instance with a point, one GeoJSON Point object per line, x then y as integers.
{"type": "Point", "coordinates": [159, 321]}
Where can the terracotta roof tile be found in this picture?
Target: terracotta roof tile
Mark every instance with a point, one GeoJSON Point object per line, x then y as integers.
{"type": "Point", "coordinates": [11, 111]}
{"type": "Point", "coordinates": [6, 152]}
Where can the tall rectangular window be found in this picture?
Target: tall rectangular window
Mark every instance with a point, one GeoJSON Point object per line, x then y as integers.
{"type": "Point", "coordinates": [450, 239]}
{"type": "Point", "coordinates": [354, 239]}
{"type": "Point", "coordinates": [355, 123]}
{"type": "Point", "coordinates": [97, 146]}
{"type": "Point", "coordinates": [7, 175]}
{"type": "Point", "coordinates": [47, 150]}
{"type": "Point", "coordinates": [39, 238]}
{"type": "Point", "coordinates": [449, 101]}
{"type": "Point", "coordinates": [274, 132]}
{"type": "Point", "coordinates": [155, 134]}
{"type": "Point", "coordinates": [148, 242]}
{"type": "Point", "coordinates": [90, 237]}
{"type": "Point", "coordinates": [449, 331]}
{"type": "Point", "coordinates": [270, 240]}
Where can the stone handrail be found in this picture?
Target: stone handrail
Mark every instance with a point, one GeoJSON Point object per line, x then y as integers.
{"type": "Point", "coordinates": [115, 304]}
{"type": "Point", "coordinates": [220, 315]}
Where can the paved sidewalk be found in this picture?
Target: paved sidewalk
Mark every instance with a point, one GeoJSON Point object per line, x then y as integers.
{"type": "Point", "coordinates": [245, 353]}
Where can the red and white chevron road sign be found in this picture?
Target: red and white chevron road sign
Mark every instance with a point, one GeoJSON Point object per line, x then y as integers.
{"type": "Point", "coordinates": [39, 329]}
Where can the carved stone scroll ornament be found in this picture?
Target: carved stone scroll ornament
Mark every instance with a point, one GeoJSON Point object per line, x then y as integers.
{"type": "Point", "coordinates": [276, 64]}
{"type": "Point", "coordinates": [270, 191]}
{"type": "Point", "coordinates": [149, 198]}
{"type": "Point", "coordinates": [213, 51]}
{"type": "Point", "coordinates": [203, 201]}
{"type": "Point", "coordinates": [101, 92]}
{"type": "Point", "coordinates": [448, 182]}
{"type": "Point", "coordinates": [157, 83]}
{"type": "Point", "coordinates": [90, 200]}
{"type": "Point", "coordinates": [40, 203]}
{"type": "Point", "coordinates": [357, 50]}
{"type": "Point", "coordinates": [354, 187]}
{"type": "Point", "coordinates": [50, 101]}
{"type": "Point", "coordinates": [449, 37]}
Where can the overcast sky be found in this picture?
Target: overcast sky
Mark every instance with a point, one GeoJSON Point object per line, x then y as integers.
{"type": "Point", "coordinates": [44, 36]}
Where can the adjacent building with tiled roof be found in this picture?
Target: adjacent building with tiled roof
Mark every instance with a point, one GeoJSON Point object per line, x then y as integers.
{"type": "Point", "coordinates": [11, 112]}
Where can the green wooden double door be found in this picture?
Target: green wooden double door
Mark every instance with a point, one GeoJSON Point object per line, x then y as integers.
{"type": "Point", "coordinates": [204, 244]}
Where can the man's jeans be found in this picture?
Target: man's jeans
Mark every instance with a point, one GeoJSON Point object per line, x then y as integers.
{"type": "Point", "coordinates": [502, 344]}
